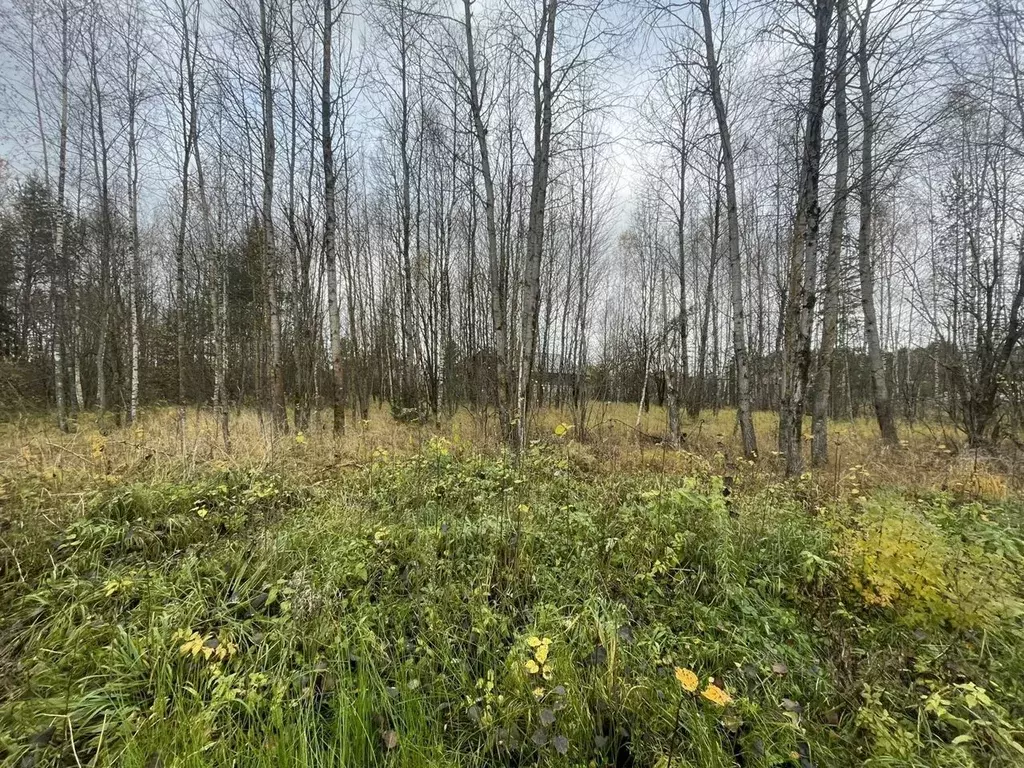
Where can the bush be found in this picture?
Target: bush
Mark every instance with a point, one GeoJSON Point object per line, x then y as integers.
{"type": "Point", "coordinates": [900, 558]}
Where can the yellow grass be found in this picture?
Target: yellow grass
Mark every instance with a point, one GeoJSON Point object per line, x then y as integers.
{"type": "Point", "coordinates": [155, 448]}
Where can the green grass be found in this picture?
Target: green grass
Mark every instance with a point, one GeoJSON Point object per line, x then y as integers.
{"type": "Point", "coordinates": [383, 617]}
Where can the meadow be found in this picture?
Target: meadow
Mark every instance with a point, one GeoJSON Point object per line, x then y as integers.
{"type": "Point", "coordinates": [410, 595]}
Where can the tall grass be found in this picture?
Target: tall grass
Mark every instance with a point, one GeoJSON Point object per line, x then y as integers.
{"type": "Point", "coordinates": [373, 602]}
{"type": "Point", "coordinates": [158, 447]}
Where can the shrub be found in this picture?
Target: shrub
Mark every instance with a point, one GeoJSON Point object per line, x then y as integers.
{"type": "Point", "coordinates": [900, 558]}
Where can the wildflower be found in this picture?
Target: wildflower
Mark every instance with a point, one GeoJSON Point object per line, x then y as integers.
{"type": "Point", "coordinates": [687, 679]}
{"type": "Point", "coordinates": [532, 666]}
{"type": "Point", "coordinates": [716, 695]}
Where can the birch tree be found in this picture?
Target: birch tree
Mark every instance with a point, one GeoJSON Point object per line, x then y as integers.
{"type": "Point", "coordinates": [833, 260]}
{"type": "Point", "coordinates": [739, 331]}
{"type": "Point", "coordinates": [803, 267]}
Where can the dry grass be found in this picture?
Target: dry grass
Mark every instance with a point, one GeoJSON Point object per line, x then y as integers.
{"type": "Point", "coordinates": [156, 449]}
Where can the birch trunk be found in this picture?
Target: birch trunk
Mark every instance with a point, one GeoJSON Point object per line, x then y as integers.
{"type": "Point", "coordinates": [680, 378]}
{"type": "Point", "coordinates": [542, 96]}
{"type": "Point", "coordinates": [498, 299]}
{"type": "Point", "coordinates": [803, 268]}
{"type": "Point", "coordinates": [218, 299]}
{"type": "Point", "coordinates": [59, 222]}
{"type": "Point", "coordinates": [278, 409]}
{"type": "Point", "coordinates": [133, 216]}
{"type": "Point", "coordinates": [739, 334]}
{"type": "Point", "coordinates": [410, 348]}
{"type": "Point", "coordinates": [185, 70]}
{"type": "Point", "coordinates": [669, 366]}
{"type": "Point", "coordinates": [331, 225]}
{"type": "Point", "coordinates": [830, 317]}
{"type": "Point", "coordinates": [872, 334]}
{"type": "Point", "coordinates": [100, 161]}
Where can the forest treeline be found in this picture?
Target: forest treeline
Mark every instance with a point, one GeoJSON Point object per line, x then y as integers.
{"type": "Point", "coordinates": [808, 207]}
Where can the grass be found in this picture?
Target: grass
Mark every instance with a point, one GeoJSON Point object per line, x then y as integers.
{"type": "Point", "coordinates": [384, 599]}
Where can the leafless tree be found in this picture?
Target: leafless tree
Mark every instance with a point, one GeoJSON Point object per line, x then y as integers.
{"type": "Point", "coordinates": [739, 331]}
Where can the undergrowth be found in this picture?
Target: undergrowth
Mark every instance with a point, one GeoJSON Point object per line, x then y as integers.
{"type": "Point", "coordinates": [451, 608]}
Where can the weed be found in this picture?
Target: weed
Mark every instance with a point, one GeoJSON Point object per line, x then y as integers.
{"type": "Point", "coordinates": [436, 604]}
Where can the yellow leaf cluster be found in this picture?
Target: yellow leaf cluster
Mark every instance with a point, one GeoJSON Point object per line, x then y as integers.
{"type": "Point", "coordinates": [539, 664]}
{"type": "Point", "coordinates": [211, 648]}
{"type": "Point", "coordinates": [897, 558]}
